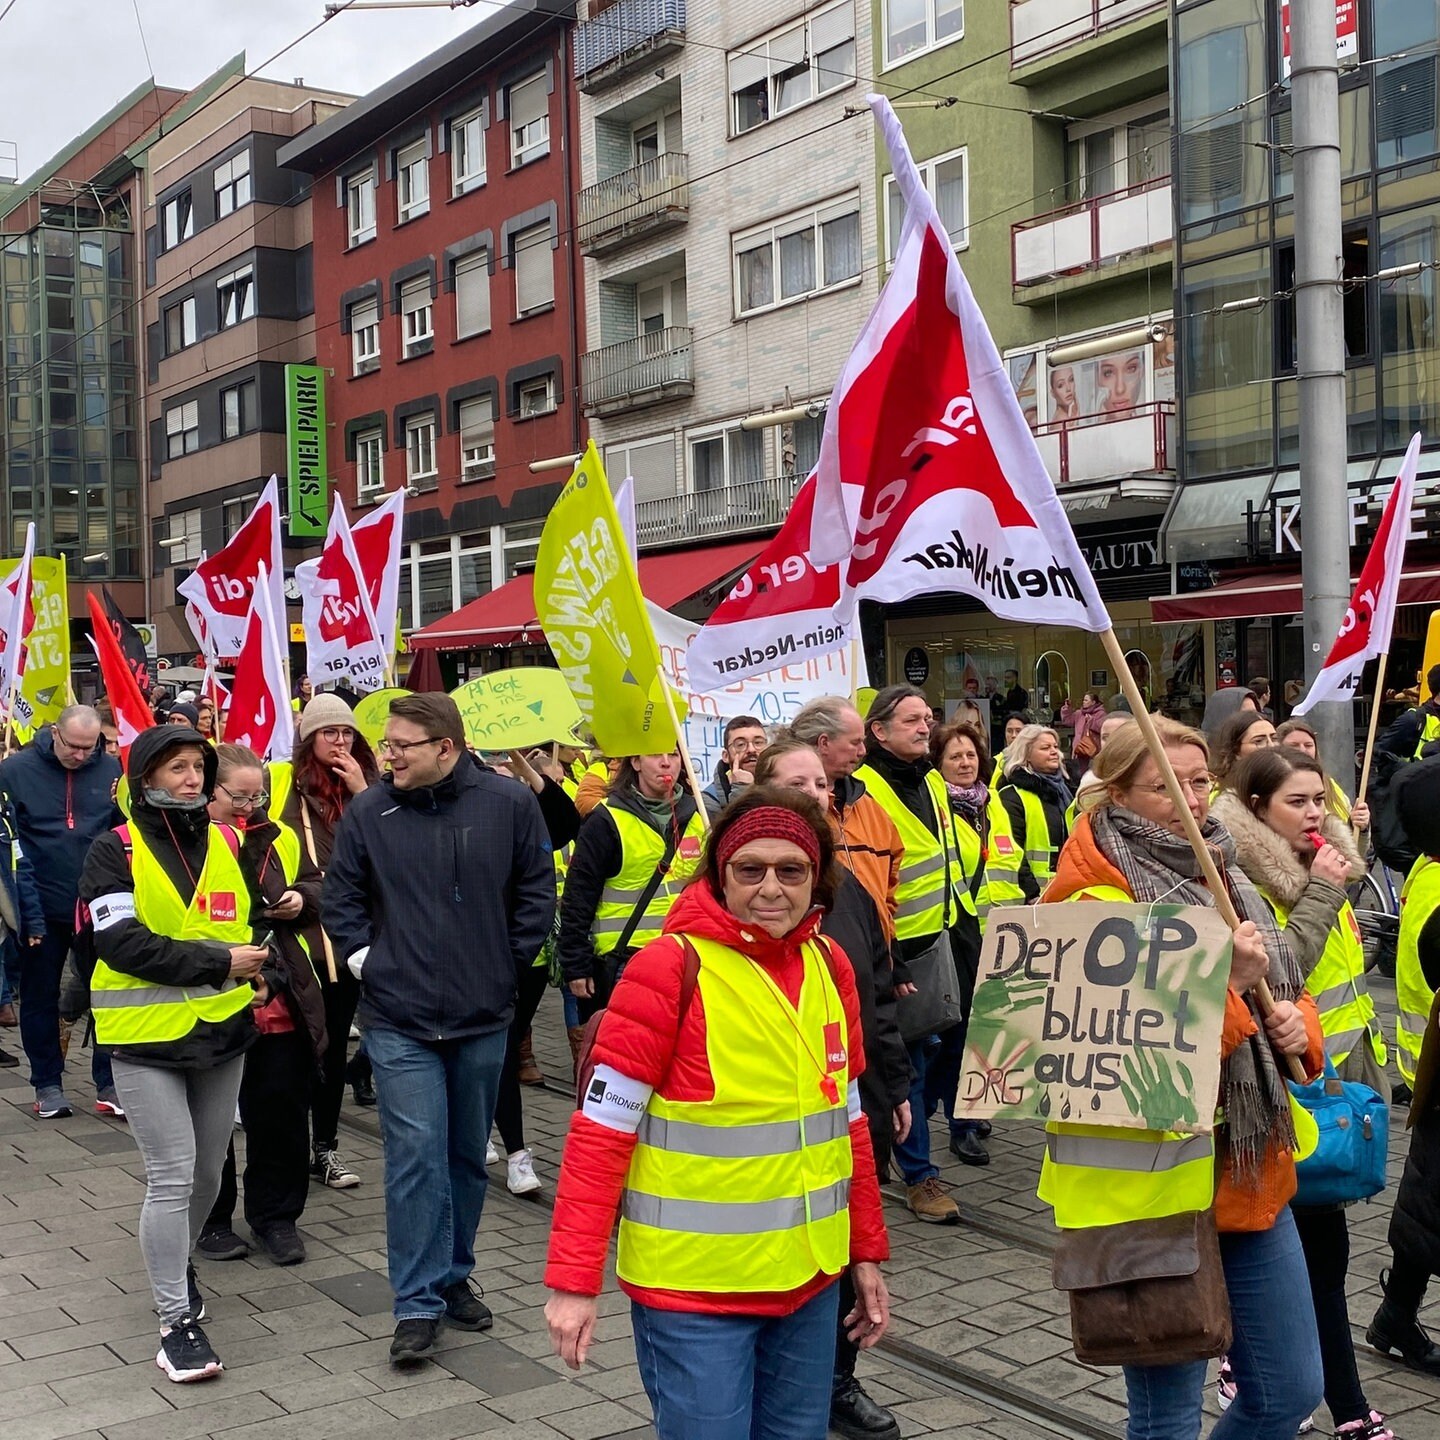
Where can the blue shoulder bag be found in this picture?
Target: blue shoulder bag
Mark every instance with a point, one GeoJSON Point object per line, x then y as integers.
{"type": "Point", "coordinates": [1354, 1122]}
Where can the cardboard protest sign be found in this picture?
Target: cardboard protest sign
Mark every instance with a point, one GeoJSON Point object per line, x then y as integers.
{"type": "Point", "coordinates": [1099, 1015]}
{"type": "Point", "coordinates": [513, 709]}
{"type": "Point", "coordinates": [372, 712]}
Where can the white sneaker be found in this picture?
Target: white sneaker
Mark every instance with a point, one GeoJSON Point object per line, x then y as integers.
{"type": "Point", "coordinates": [520, 1178]}
{"type": "Point", "coordinates": [492, 1155]}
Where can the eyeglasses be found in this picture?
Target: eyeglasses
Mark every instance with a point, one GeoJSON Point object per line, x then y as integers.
{"type": "Point", "coordinates": [257, 801]}
{"type": "Point", "coordinates": [1197, 785]}
{"type": "Point", "coordinates": [790, 873]}
{"type": "Point", "coordinates": [338, 734]}
{"type": "Point", "coordinates": [76, 746]}
{"type": "Point", "coordinates": [403, 747]}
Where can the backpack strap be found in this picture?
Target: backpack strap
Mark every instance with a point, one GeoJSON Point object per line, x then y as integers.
{"type": "Point", "coordinates": [232, 838]}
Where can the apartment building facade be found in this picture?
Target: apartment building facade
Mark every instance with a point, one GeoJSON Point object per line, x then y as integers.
{"type": "Point", "coordinates": [447, 306]}
{"type": "Point", "coordinates": [228, 303]}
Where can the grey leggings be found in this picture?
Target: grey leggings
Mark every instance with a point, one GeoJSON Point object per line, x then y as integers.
{"type": "Point", "coordinates": [181, 1120]}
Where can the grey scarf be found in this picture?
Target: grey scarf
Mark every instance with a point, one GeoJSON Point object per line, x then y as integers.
{"type": "Point", "coordinates": [1159, 865]}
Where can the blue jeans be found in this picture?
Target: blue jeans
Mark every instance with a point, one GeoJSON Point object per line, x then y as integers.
{"type": "Point", "coordinates": [935, 1063]}
{"type": "Point", "coordinates": [40, 969]}
{"type": "Point", "coordinates": [436, 1104]}
{"type": "Point", "coordinates": [1275, 1353]}
{"type": "Point", "coordinates": [739, 1377]}
{"type": "Point", "coordinates": [572, 1008]}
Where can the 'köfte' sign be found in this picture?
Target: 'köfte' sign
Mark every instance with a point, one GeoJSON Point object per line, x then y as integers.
{"type": "Point", "coordinates": [1098, 1015]}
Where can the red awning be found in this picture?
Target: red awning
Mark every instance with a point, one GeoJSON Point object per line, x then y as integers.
{"type": "Point", "coordinates": [1275, 592]}
{"type": "Point", "coordinates": [505, 615]}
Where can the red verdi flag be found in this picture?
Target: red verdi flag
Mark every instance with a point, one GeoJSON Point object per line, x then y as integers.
{"type": "Point", "coordinates": [929, 479]}
{"type": "Point", "coordinates": [259, 715]}
{"type": "Point", "coordinates": [1365, 631]}
{"type": "Point", "coordinates": [340, 640]}
{"type": "Point", "coordinates": [132, 714]}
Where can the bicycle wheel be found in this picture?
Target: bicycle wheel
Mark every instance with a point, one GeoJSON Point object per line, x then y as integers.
{"type": "Point", "coordinates": [1379, 928]}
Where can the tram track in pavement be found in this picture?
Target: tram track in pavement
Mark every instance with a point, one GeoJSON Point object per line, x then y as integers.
{"type": "Point", "coordinates": [1047, 1416]}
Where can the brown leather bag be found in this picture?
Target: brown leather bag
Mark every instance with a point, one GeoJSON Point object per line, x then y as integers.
{"type": "Point", "coordinates": [1148, 1292]}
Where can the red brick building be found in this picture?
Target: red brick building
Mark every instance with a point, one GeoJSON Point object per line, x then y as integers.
{"type": "Point", "coordinates": [447, 298]}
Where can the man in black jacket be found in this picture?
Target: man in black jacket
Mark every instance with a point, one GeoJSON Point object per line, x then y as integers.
{"type": "Point", "coordinates": [440, 890]}
{"type": "Point", "coordinates": [62, 790]}
{"type": "Point", "coordinates": [1415, 729]}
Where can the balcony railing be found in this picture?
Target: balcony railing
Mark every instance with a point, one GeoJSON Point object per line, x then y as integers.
{"type": "Point", "coordinates": [651, 196]}
{"type": "Point", "coordinates": [624, 37]}
{"type": "Point", "coordinates": [643, 371]}
{"type": "Point", "coordinates": [750, 505]}
{"type": "Point", "coordinates": [1040, 27]}
{"type": "Point", "coordinates": [1138, 441]}
{"type": "Point", "coordinates": [1091, 234]}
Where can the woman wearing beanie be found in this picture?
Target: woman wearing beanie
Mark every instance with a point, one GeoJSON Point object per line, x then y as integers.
{"type": "Point", "coordinates": [732, 1238]}
{"type": "Point", "coordinates": [332, 763]}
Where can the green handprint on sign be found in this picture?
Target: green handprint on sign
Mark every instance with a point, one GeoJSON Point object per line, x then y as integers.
{"type": "Point", "coordinates": [994, 1000]}
{"type": "Point", "coordinates": [1152, 1093]}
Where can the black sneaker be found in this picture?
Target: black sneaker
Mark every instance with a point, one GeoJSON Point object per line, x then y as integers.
{"type": "Point", "coordinates": [856, 1416]}
{"type": "Point", "coordinates": [197, 1301]}
{"type": "Point", "coordinates": [185, 1353]}
{"type": "Point", "coordinates": [221, 1243]}
{"type": "Point", "coordinates": [464, 1308]}
{"type": "Point", "coordinates": [414, 1341]}
{"type": "Point", "coordinates": [281, 1242]}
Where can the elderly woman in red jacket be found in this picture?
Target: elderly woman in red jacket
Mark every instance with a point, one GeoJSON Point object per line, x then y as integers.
{"type": "Point", "coordinates": [722, 1122]}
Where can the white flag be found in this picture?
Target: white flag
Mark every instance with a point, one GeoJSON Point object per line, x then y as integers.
{"type": "Point", "coordinates": [17, 620]}
{"type": "Point", "coordinates": [341, 628]}
{"type": "Point", "coordinates": [259, 713]}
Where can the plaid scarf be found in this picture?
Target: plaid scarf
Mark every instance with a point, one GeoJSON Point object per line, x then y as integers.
{"type": "Point", "coordinates": [1160, 865]}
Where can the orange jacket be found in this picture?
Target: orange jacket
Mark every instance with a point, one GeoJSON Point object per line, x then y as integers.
{"type": "Point", "coordinates": [868, 845]}
{"type": "Point", "coordinates": [1080, 867]}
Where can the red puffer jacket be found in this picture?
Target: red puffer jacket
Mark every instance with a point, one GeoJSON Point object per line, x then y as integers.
{"type": "Point", "coordinates": [639, 1039]}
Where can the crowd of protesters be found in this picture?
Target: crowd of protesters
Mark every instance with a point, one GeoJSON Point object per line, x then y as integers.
{"type": "Point", "coordinates": [765, 958]}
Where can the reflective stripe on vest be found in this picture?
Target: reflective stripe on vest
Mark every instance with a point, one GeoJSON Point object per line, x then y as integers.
{"type": "Point", "coordinates": [641, 848]}
{"type": "Point", "coordinates": [132, 1011]}
{"type": "Point", "coordinates": [929, 862]}
{"type": "Point", "coordinates": [1429, 731]}
{"type": "Point", "coordinates": [1093, 1175]}
{"type": "Point", "coordinates": [1000, 884]}
{"type": "Point", "coordinates": [1036, 839]}
{"type": "Point", "coordinates": [1337, 983]}
{"type": "Point", "coordinates": [1413, 997]}
{"type": "Point", "coordinates": [747, 1192]}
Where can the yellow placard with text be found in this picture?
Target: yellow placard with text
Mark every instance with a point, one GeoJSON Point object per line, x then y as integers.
{"type": "Point", "coordinates": [515, 709]}
{"type": "Point", "coordinates": [45, 688]}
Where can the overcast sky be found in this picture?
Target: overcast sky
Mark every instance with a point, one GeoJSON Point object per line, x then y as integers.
{"type": "Point", "coordinates": [65, 63]}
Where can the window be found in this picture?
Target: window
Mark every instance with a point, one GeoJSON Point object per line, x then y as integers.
{"type": "Point", "coordinates": [420, 467]}
{"type": "Point", "coordinates": [789, 68]}
{"type": "Point", "coordinates": [234, 513]}
{"type": "Point", "coordinates": [535, 397]}
{"type": "Point", "coordinates": [360, 206]}
{"type": "Point", "coordinates": [467, 153]}
{"type": "Point", "coordinates": [235, 294]}
{"type": "Point", "coordinates": [1409, 343]}
{"type": "Point", "coordinates": [946, 177]}
{"type": "Point", "coordinates": [184, 526]}
{"type": "Point", "coordinates": [1110, 155]}
{"type": "Point", "coordinates": [232, 184]}
{"type": "Point", "coordinates": [915, 25]}
{"type": "Point", "coordinates": [534, 269]}
{"type": "Point", "coordinates": [369, 465]}
{"type": "Point", "coordinates": [1406, 121]}
{"type": "Point", "coordinates": [177, 221]}
{"type": "Point", "coordinates": [798, 255]}
{"type": "Point", "coordinates": [1355, 300]}
{"type": "Point", "coordinates": [529, 120]}
{"type": "Point", "coordinates": [417, 316]}
{"type": "Point", "coordinates": [365, 336]}
{"type": "Point", "coordinates": [472, 294]}
{"type": "Point", "coordinates": [239, 410]}
{"type": "Point", "coordinates": [412, 182]}
{"type": "Point", "coordinates": [477, 439]}
{"type": "Point", "coordinates": [182, 429]}
{"type": "Point", "coordinates": [651, 463]}
{"type": "Point", "coordinates": [180, 326]}
{"type": "Point", "coordinates": [733, 457]}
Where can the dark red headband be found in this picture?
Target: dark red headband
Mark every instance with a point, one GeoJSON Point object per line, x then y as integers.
{"type": "Point", "coordinates": [769, 822]}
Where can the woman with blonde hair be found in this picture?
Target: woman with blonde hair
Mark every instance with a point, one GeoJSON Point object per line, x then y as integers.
{"type": "Point", "coordinates": [1036, 797]}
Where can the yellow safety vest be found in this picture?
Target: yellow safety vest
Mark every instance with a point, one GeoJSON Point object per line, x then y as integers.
{"type": "Point", "coordinates": [748, 1192]}
{"type": "Point", "coordinates": [130, 1010]}
{"type": "Point", "coordinates": [1036, 840]}
{"type": "Point", "coordinates": [923, 903]}
{"type": "Point", "coordinates": [1413, 996]}
{"type": "Point", "coordinates": [1347, 1009]}
{"type": "Point", "coordinates": [1003, 856]}
{"type": "Point", "coordinates": [1100, 1175]}
{"type": "Point", "coordinates": [642, 848]}
{"type": "Point", "coordinates": [1428, 732]}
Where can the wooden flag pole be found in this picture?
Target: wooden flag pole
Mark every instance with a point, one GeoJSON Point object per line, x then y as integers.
{"type": "Point", "coordinates": [684, 750]}
{"type": "Point", "coordinates": [1370, 736]}
{"type": "Point", "coordinates": [1264, 1000]}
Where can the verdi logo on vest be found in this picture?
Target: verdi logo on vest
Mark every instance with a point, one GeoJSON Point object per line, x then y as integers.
{"type": "Point", "coordinates": [1099, 1014]}
{"type": "Point", "coordinates": [220, 907]}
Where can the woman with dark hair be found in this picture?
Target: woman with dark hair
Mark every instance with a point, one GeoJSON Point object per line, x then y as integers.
{"type": "Point", "coordinates": [1301, 858]}
{"type": "Point", "coordinates": [728, 1137]}
{"type": "Point", "coordinates": [1242, 734]}
{"type": "Point", "coordinates": [333, 762]}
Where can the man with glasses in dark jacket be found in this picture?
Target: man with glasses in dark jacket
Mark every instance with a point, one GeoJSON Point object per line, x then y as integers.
{"type": "Point", "coordinates": [439, 892]}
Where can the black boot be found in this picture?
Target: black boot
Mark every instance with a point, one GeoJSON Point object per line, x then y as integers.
{"type": "Point", "coordinates": [969, 1148]}
{"type": "Point", "coordinates": [856, 1416]}
{"type": "Point", "coordinates": [1393, 1332]}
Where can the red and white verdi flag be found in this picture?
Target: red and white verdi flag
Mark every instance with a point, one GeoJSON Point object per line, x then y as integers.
{"type": "Point", "coordinates": [929, 478]}
{"type": "Point", "coordinates": [1365, 631]}
{"type": "Point", "coordinates": [221, 587]}
{"type": "Point", "coordinates": [377, 540]}
{"type": "Point", "coordinates": [781, 611]}
{"type": "Point", "coordinates": [17, 620]}
{"type": "Point", "coordinates": [259, 714]}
